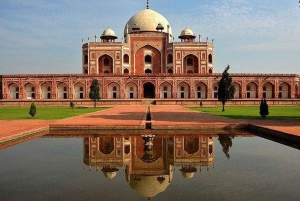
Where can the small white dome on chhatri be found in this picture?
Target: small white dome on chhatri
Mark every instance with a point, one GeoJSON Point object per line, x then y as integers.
{"type": "Point", "coordinates": [109, 172]}
{"type": "Point", "coordinates": [188, 172]}
{"type": "Point", "coordinates": [108, 32]}
{"type": "Point", "coordinates": [108, 35]}
{"type": "Point", "coordinates": [187, 35]}
{"type": "Point", "coordinates": [187, 32]}
{"type": "Point", "coordinates": [187, 175]}
{"type": "Point", "coordinates": [110, 175]}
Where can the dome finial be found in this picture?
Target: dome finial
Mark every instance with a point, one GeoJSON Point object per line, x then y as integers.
{"type": "Point", "coordinates": [147, 4]}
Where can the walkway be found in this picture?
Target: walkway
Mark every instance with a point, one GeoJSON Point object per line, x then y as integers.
{"type": "Point", "coordinates": [133, 117]}
{"type": "Point", "coordinates": [178, 117]}
{"type": "Point", "coordinates": [17, 128]}
{"type": "Point", "coordinates": [119, 117]}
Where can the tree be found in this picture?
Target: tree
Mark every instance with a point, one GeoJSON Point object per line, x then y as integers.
{"type": "Point", "coordinates": [226, 89]}
{"type": "Point", "coordinates": [264, 108]}
{"type": "Point", "coordinates": [32, 110]}
{"type": "Point", "coordinates": [94, 91]}
{"type": "Point", "coordinates": [226, 142]}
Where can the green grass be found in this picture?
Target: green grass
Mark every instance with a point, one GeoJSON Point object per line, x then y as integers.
{"type": "Point", "coordinates": [252, 112]}
{"type": "Point", "coordinates": [43, 113]}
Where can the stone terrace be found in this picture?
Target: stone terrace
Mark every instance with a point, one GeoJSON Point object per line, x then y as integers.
{"type": "Point", "coordinates": [173, 117]}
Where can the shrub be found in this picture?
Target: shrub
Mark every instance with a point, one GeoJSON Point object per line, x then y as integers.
{"type": "Point", "coordinates": [32, 110]}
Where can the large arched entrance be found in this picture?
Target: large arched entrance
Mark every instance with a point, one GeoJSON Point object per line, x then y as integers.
{"type": "Point", "coordinates": [149, 90]}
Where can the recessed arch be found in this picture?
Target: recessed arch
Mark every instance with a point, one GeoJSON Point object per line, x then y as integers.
{"type": "Point", "coordinates": [126, 59]}
{"type": "Point", "coordinates": [170, 70]}
{"type": "Point", "coordinates": [237, 93]}
{"type": "Point", "coordinates": [191, 145]}
{"type": "Point", "coordinates": [210, 58]}
{"type": "Point", "coordinates": [149, 90]}
{"type": "Point", "coordinates": [30, 91]}
{"type": "Point", "coordinates": [131, 90]}
{"type": "Point", "coordinates": [114, 90]}
{"type": "Point", "coordinates": [284, 90]}
{"type": "Point", "coordinates": [86, 59]}
{"type": "Point", "coordinates": [147, 57]}
{"type": "Point", "coordinates": [14, 91]}
{"type": "Point", "coordinates": [79, 91]}
{"type": "Point", "coordinates": [106, 145]}
{"type": "Point", "coordinates": [165, 90]}
{"type": "Point", "coordinates": [126, 71]}
{"type": "Point", "coordinates": [215, 88]}
{"type": "Point", "coordinates": [268, 90]}
{"type": "Point", "coordinates": [251, 90]}
{"type": "Point", "coordinates": [148, 71]}
{"type": "Point", "coordinates": [105, 64]}
{"type": "Point", "coordinates": [190, 64]}
{"type": "Point", "coordinates": [170, 59]}
{"type": "Point", "coordinates": [200, 90]}
{"type": "Point", "coordinates": [46, 88]}
{"type": "Point", "coordinates": [183, 90]}
{"type": "Point", "coordinates": [62, 91]}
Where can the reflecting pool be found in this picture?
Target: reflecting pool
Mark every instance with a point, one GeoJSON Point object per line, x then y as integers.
{"type": "Point", "coordinates": [147, 166]}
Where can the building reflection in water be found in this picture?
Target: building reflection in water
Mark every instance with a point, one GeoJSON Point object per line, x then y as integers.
{"type": "Point", "coordinates": [149, 160]}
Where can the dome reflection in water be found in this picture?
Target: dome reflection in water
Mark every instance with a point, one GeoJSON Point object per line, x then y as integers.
{"type": "Point", "coordinates": [149, 160]}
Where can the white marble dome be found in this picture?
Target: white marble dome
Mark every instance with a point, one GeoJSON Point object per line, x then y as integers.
{"type": "Point", "coordinates": [148, 185]}
{"type": "Point", "coordinates": [148, 20]}
{"type": "Point", "coordinates": [108, 32]}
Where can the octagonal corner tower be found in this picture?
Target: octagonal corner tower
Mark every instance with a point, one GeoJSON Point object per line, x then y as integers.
{"type": "Point", "coordinates": [147, 20]}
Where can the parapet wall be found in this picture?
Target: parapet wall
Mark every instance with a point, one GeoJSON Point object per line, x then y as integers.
{"type": "Point", "coordinates": [189, 102]}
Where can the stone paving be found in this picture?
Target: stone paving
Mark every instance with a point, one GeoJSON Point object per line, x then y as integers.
{"type": "Point", "coordinates": [16, 128]}
{"type": "Point", "coordinates": [130, 117]}
{"type": "Point", "coordinates": [133, 117]}
{"type": "Point", "coordinates": [176, 116]}
{"type": "Point", "coordinates": [290, 126]}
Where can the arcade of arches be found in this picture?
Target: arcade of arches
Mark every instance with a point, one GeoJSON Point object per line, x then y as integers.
{"type": "Point", "coordinates": [146, 88]}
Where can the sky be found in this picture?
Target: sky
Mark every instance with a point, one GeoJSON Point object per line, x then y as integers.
{"type": "Point", "coordinates": [252, 36]}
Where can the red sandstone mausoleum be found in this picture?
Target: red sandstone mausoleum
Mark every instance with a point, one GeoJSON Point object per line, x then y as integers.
{"type": "Point", "coordinates": [147, 64]}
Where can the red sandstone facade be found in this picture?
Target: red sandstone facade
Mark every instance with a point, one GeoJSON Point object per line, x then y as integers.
{"type": "Point", "coordinates": [147, 64]}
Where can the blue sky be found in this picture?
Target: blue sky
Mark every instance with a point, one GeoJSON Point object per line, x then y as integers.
{"type": "Point", "coordinates": [253, 36]}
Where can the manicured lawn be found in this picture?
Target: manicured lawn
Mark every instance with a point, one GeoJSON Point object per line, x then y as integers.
{"type": "Point", "coordinates": [252, 112]}
{"type": "Point", "coordinates": [43, 113]}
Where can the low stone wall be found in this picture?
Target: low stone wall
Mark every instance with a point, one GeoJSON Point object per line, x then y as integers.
{"type": "Point", "coordinates": [110, 102]}
{"type": "Point", "coordinates": [78, 103]}
{"type": "Point", "coordinates": [213, 102]}
{"type": "Point", "coordinates": [273, 133]}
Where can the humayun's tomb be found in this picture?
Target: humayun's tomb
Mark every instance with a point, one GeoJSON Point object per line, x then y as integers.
{"type": "Point", "coordinates": [147, 65]}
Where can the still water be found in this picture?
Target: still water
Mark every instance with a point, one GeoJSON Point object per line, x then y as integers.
{"type": "Point", "coordinates": [156, 167]}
